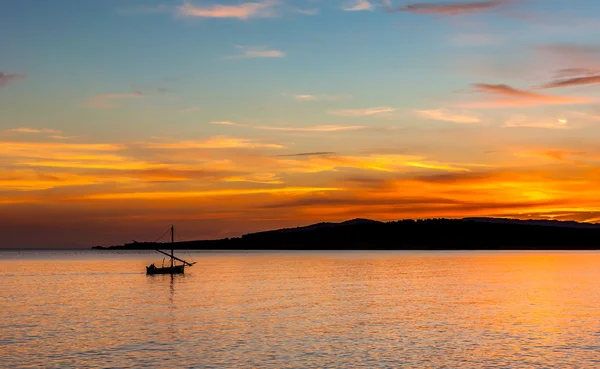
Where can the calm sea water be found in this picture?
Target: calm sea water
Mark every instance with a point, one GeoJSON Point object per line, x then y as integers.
{"type": "Point", "coordinates": [301, 310]}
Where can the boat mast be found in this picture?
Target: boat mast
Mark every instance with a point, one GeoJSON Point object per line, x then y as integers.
{"type": "Point", "coordinates": [172, 242]}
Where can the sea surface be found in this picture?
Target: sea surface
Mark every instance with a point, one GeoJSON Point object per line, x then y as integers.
{"type": "Point", "coordinates": [98, 309]}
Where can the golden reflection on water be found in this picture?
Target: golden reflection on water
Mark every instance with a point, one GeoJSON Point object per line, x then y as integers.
{"type": "Point", "coordinates": [309, 310]}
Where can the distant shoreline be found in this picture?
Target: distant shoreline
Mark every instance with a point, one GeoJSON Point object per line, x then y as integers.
{"type": "Point", "coordinates": [469, 234]}
{"type": "Point", "coordinates": [164, 246]}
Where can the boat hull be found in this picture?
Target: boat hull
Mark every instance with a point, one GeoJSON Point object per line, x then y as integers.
{"type": "Point", "coordinates": [177, 269]}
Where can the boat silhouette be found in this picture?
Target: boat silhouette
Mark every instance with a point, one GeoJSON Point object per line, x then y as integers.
{"type": "Point", "coordinates": [172, 268]}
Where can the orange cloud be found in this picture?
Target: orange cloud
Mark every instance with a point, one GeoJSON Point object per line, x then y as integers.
{"type": "Point", "coordinates": [383, 163]}
{"type": "Point", "coordinates": [72, 156]}
{"type": "Point", "coordinates": [243, 183]}
{"type": "Point", "coordinates": [209, 193]}
{"type": "Point", "coordinates": [32, 180]}
{"type": "Point", "coordinates": [247, 10]}
{"type": "Point", "coordinates": [524, 121]}
{"type": "Point", "coordinates": [436, 166]}
{"type": "Point", "coordinates": [570, 82]}
{"type": "Point", "coordinates": [507, 96]}
{"type": "Point", "coordinates": [55, 150]}
{"type": "Point", "coordinates": [579, 64]}
{"type": "Point", "coordinates": [315, 97]}
{"type": "Point", "coordinates": [266, 178]}
{"type": "Point", "coordinates": [448, 116]}
{"type": "Point", "coordinates": [228, 123]}
{"type": "Point", "coordinates": [315, 153]}
{"type": "Point", "coordinates": [219, 142]}
{"type": "Point", "coordinates": [574, 72]}
{"type": "Point", "coordinates": [362, 112]}
{"type": "Point", "coordinates": [34, 130]}
{"type": "Point", "coordinates": [326, 128]}
{"type": "Point", "coordinates": [61, 137]}
{"type": "Point", "coordinates": [498, 191]}
{"type": "Point", "coordinates": [93, 163]}
{"type": "Point", "coordinates": [359, 5]}
{"type": "Point", "coordinates": [52, 133]}
{"type": "Point", "coordinates": [70, 164]}
{"type": "Point", "coordinates": [578, 158]}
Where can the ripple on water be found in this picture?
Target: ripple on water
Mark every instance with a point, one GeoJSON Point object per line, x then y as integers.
{"type": "Point", "coordinates": [291, 310]}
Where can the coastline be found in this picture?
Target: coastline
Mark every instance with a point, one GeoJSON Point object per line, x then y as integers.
{"type": "Point", "coordinates": [409, 235]}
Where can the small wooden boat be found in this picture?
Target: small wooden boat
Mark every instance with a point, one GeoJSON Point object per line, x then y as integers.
{"type": "Point", "coordinates": [172, 268]}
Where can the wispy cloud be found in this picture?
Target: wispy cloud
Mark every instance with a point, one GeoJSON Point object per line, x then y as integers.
{"type": "Point", "coordinates": [51, 133]}
{"type": "Point", "coordinates": [577, 158]}
{"type": "Point", "coordinates": [320, 97]}
{"type": "Point", "coordinates": [436, 166]}
{"type": "Point", "coordinates": [34, 130]}
{"type": "Point", "coordinates": [570, 82]}
{"type": "Point", "coordinates": [218, 142]}
{"type": "Point", "coordinates": [362, 112]}
{"type": "Point", "coordinates": [579, 64]}
{"type": "Point", "coordinates": [266, 178]}
{"type": "Point", "coordinates": [305, 97]}
{"type": "Point", "coordinates": [506, 90]}
{"type": "Point", "coordinates": [209, 193]}
{"type": "Point", "coordinates": [256, 52]}
{"type": "Point", "coordinates": [575, 72]}
{"type": "Point", "coordinates": [375, 162]}
{"type": "Point", "coordinates": [313, 11]}
{"type": "Point", "coordinates": [264, 9]}
{"type": "Point", "coordinates": [106, 100]}
{"type": "Point", "coordinates": [324, 128]}
{"type": "Point", "coordinates": [369, 185]}
{"type": "Point", "coordinates": [8, 78]}
{"type": "Point", "coordinates": [61, 137]}
{"type": "Point", "coordinates": [316, 153]}
{"type": "Point", "coordinates": [327, 128]}
{"type": "Point", "coordinates": [228, 123]}
{"type": "Point", "coordinates": [42, 153]}
{"type": "Point", "coordinates": [506, 96]}
{"type": "Point", "coordinates": [525, 121]}
{"type": "Point", "coordinates": [448, 116]}
{"type": "Point", "coordinates": [573, 60]}
{"type": "Point", "coordinates": [358, 5]}
{"type": "Point", "coordinates": [450, 9]}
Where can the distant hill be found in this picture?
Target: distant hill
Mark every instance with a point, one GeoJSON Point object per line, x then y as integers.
{"type": "Point", "coordinates": [428, 234]}
{"type": "Point", "coordinates": [548, 223]}
{"type": "Point", "coordinates": [313, 227]}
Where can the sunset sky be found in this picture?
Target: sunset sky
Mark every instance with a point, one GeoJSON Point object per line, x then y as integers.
{"type": "Point", "coordinates": [119, 118]}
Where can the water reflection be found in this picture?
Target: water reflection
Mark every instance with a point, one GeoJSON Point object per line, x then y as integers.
{"type": "Point", "coordinates": [160, 281]}
{"type": "Point", "coordinates": [467, 310]}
